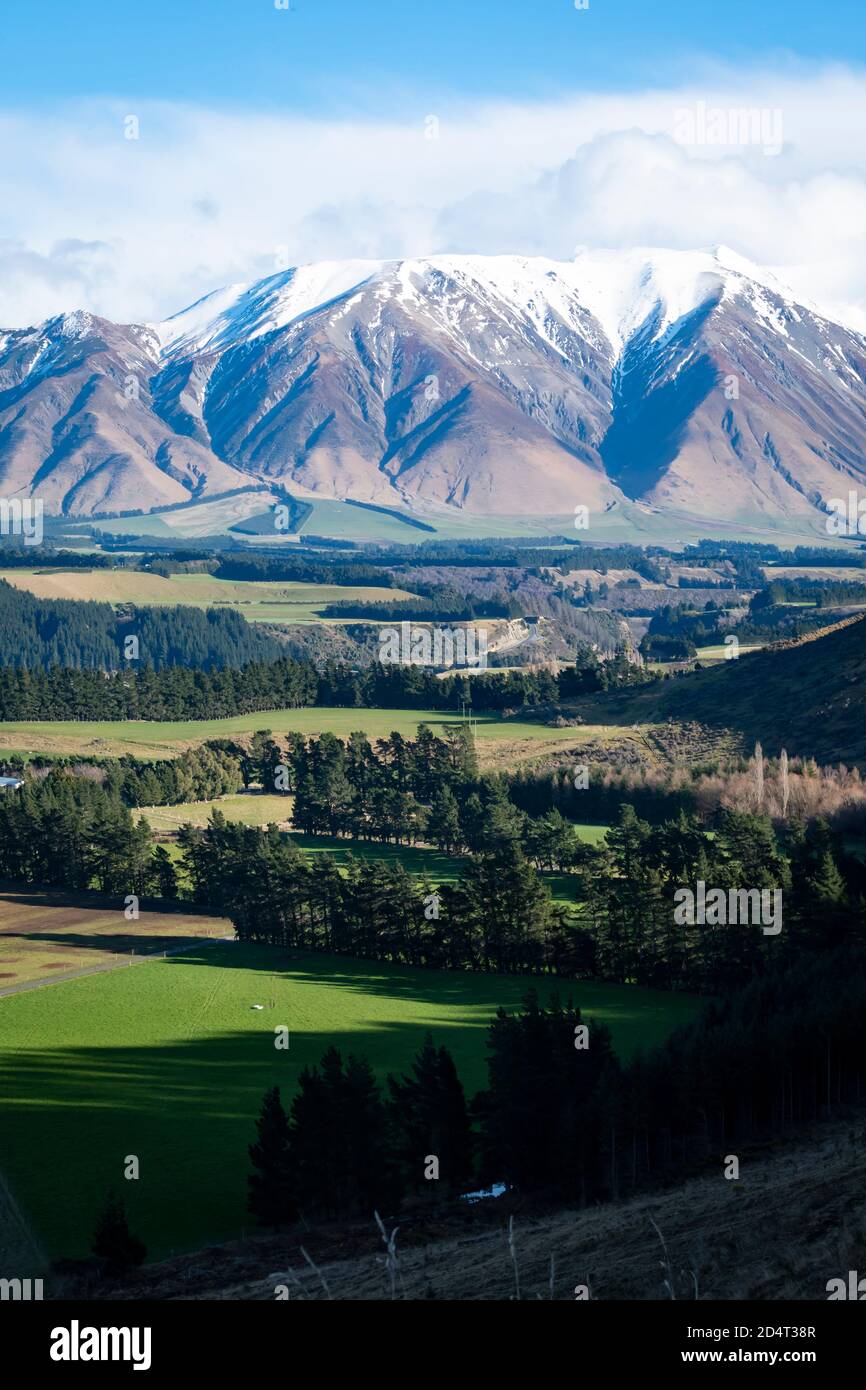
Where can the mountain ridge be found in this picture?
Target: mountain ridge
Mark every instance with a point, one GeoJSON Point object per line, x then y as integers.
{"type": "Point", "coordinates": [683, 382]}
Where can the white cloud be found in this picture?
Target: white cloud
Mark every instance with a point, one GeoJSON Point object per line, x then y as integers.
{"type": "Point", "coordinates": [136, 229]}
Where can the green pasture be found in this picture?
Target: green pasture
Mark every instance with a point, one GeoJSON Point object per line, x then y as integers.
{"type": "Point", "coordinates": [169, 1061]}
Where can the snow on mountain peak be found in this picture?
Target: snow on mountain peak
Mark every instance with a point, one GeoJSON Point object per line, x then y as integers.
{"type": "Point", "coordinates": [623, 288]}
{"type": "Point", "coordinates": [76, 324]}
{"type": "Point", "coordinates": [593, 379]}
{"type": "Point", "coordinates": [249, 310]}
{"type": "Point", "coordinates": [620, 290]}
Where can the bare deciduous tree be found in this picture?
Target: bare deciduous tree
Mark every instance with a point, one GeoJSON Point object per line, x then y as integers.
{"type": "Point", "coordinates": [758, 764]}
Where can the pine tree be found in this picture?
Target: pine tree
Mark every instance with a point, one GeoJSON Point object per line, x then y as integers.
{"type": "Point", "coordinates": [430, 1119]}
{"type": "Point", "coordinates": [372, 1179]}
{"type": "Point", "coordinates": [165, 874]}
{"type": "Point", "coordinates": [113, 1241]}
{"type": "Point", "coordinates": [443, 826]}
{"type": "Point", "coordinates": [340, 1145]}
{"type": "Point", "coordinates": [541, 1115]}
{"type": "Point", "coordinates": [271, 1199]}
{"type": "Point", "coordinates": [317, 1137]}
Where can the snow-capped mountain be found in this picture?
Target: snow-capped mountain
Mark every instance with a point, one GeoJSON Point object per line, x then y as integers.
{"type": "Point", "coordinates": [686, 381]}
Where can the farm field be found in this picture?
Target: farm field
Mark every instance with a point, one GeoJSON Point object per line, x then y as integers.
{"type": "Point", "coordinates": [345, 521]}
{"type": "Point", "coordinates": [210, 517]}
{"type": "Point", "coordinates": [42, 935]}
{"type": "Point", "coordinates": [169, 1061]}
{"type": "Point", "coordinates": [155, 739]}
{"type": "Point", "coordinates": [259, 601]}
{"type": "Point", "coordinates": [251, 808]}
{"type": "Point", "coordinates": [415, 859]}
{"type": "Point", "coordinates": [426, 860]}
{"type": "Point", "coordinates": [841, 572]}
{"type": "Point", "coordinates": [342, 520]}
{"type": "Point", "coordinates": [250, 514]}
{"type": "Point", "coordinates": [263, 808]}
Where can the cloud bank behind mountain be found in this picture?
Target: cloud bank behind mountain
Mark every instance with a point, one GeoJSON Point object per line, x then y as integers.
{"type": "Point", "coordinates": [130, 228]}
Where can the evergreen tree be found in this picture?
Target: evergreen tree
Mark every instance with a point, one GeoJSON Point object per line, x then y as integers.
{"type": "Point", "coordinates": [113, 1241]}
{"type": "Point", "coordinates": [340, 1154]}
{"type": "Point", "coordinates": [544, 1116]}
{"type": "Point", "coordinates": [430, 1119]}
{"type": "Point", "coordinates": [271, 1199]}
{"type": "Point", "coordinates": [165, 874]}
{"type": "Point", "coordinates": [372, 1177]}
{"type": "Point", "coordinates": [443, 826]}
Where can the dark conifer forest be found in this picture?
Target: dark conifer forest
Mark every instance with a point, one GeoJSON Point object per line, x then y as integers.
{"type": "Point", "coordinates": [45, 634]}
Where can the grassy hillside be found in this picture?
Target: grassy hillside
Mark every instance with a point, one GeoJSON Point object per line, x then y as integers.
{"type": "Point", "coordinates": [156, 739]}
{"type": "Point", "coordinates": [806, 696]}
{"type": "Point", "coordinates": [169, 1061]}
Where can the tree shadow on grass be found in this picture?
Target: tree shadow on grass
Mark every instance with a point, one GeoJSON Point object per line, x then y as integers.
{"type": "Point", "coordinates": [142, 943]}
{"type": "Point", "coordinates": [417, 859]}
{"type": "Point", "coordinates": [71, 1119]}
{"type": "Point", "coordinates": [159, 1071]}
{"type": "Point", "coordinates": [471, 988]}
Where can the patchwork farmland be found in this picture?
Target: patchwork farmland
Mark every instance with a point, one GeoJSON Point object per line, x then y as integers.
{"type": "Point", "coordinates": [45, 937]}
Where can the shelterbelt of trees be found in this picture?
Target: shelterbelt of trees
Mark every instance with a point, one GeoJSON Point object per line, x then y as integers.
{"type": "Point", "coordinates": [429, 790]}
{"type": "Point", "coordinates": [561, 1115]}
{"type": "Point", "coordinates": [179, 692]}
{"type": "Point", "coordinates": [617, 923]}
{"type": "Point", "coordinates": [620, 924]}
{"type": "Point", "coordinates": [444, 606]}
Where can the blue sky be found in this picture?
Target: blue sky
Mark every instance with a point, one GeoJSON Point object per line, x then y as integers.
{"type": "Point", "coordinates": [339, 55]}
{"type": "Point", "coordinates": [267, 137]}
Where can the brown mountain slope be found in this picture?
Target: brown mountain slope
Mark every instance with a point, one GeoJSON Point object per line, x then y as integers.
{"type": "Point", "coordinates": [77, 427]}
{"type": "Point", "coordinates": [685, 383]}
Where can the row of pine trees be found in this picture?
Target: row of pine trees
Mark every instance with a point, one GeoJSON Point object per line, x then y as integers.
{"type": "Point", "coordinates": [225, 670]}
{"type": "Point", "coordinates": [612, 917]}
